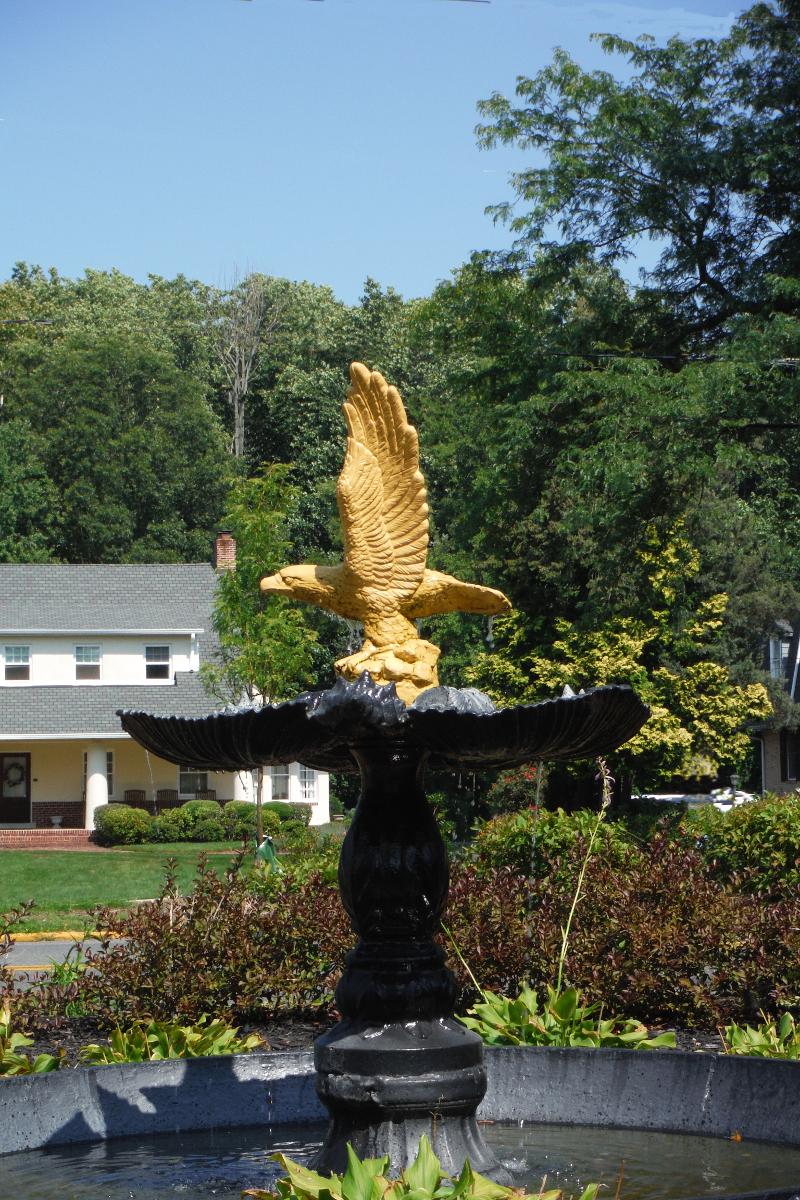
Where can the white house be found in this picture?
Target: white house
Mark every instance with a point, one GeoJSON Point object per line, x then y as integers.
{"type": "Point", "coordinates": [80, 642]}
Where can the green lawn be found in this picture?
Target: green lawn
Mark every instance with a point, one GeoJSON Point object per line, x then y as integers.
{"type": "Point", "coordinates": [66, 883]}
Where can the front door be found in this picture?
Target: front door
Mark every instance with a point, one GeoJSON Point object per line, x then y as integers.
{"type": "Point", "coordinates": [15, 804]}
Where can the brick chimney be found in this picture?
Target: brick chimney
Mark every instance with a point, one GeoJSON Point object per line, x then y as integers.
{"type": "Point", "coordinates": [224, 551]}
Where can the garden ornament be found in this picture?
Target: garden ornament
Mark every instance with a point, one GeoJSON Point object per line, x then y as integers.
{"type": "Point", "coordinates": [383, 581]}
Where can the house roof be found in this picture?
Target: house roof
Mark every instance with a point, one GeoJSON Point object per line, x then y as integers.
{"type": "Point", "coordinates": [85, 711]}
{"type": "Point", "coordinates": [106, 598]}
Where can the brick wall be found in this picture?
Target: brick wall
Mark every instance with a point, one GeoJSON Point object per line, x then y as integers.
{"type": "Point", "coordinates": [72, 812]}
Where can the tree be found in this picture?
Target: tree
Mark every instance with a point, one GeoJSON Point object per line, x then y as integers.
{"type": "Point", "coordinates": [698, 150]}
{"type": "Point", "coordinates": [265, 651]}
{"type": "Point", "coordinates": [242, 320]}
{"type": "Point", "coordinates": [698, 714]}
{"type": "Point", "coordinates": [127, 442]}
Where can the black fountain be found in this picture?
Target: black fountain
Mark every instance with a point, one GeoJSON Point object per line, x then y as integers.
{"type": "Point", "coordinates": [398, 1064]}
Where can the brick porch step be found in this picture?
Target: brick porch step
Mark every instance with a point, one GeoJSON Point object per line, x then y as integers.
{"type": "Point", "coordinates": [45, 839]}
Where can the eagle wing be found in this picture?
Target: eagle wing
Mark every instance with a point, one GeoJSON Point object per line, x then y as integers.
{"type": "Point", "coordinates": [440, 593]}
{"type": "Point", "coordinates": [381, 491]}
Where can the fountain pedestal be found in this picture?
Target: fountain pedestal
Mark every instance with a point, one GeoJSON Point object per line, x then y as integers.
{"type": "Point", "coordinates": [398, 1064]}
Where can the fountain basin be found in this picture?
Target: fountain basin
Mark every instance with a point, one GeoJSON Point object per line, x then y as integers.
{"type": "Point", "coordinates": [670, 1091]}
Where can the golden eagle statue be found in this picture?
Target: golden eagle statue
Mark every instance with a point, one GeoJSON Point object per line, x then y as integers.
{"type": "Point", "coordinates": [383, 580]}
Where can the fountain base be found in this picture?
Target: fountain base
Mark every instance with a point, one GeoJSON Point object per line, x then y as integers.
{"type": "Point", "coordinates": [387, 1085]}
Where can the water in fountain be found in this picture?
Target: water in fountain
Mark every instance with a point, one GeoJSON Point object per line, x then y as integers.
{"type": "Point", "coordinates": [197, 1166]}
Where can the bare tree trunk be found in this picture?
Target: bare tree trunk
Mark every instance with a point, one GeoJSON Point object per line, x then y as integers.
{"type": "Point", "coordinates": [238, 405]}
{"type": "Point", "coordinates": [242, 323]}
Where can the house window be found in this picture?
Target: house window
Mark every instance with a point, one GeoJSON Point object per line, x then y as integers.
{"type": "Point", "coordinates": [18, 662]}
{"type": "Point", "coordinates": [156, 662]}
{"type": "Point", "coordinates": [788, 755]}
{"type": "Point", "coordinates": [110, 772]}
{"type": "Point", "coordinates": [308, 785]}
{"type": "Point", "coordinates": [190, 782]}
{"type": "Point", "coordinates": [280, 782]}
{"type": "Point", "coordinates": [87, 662]}
{"type": "Point", "coordinates": [778, 657]}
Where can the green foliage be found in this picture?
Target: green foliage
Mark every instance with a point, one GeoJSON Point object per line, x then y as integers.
{"type": "Point", "coordinates": [196, 810]}
{"type": "Point", "coordinates": [516, 790]}
{"type": "Point", "coordinates": [119, 825]}
{"type": "Point", "coordinates": [698, 143]}
{"type": "Point", "coordinates": [697, 714]}
{"type": "Point", "coordinates": [563, 1020]}
{"type": "Point", "coordinates": [66, 972]}
{"type": "Point", "coordinates": [757, 845]}
{"type": "Point", "coordinates": [209, 829]}
{"type": "Point", "coordinates": [506, 841]}
{"type": "Point", "coordinates": [296, 838]}
{"type": "Point", "coordinates": [773, 1039]}
{"type": "Point", "coordinates": [154, 1040]}
{"type": "Point", "coordinates": [289, 812]}
{"type": "Point", "coordinates": [367, 1180]}
{"type": "Point", "coordinates": [13, 1063]}
{"type": "Point", "coordinates": [265, 643]}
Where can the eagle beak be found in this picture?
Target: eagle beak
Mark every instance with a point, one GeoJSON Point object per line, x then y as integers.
{"type": "Point", "coordinates": [275, 583]}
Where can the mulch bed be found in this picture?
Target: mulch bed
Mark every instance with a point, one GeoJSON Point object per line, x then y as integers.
{"type": "Point", "coordinates": [291, 1033]}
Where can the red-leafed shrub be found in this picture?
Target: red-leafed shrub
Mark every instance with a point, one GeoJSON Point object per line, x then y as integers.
{"type": "Point", "coordinates": [656, 937]}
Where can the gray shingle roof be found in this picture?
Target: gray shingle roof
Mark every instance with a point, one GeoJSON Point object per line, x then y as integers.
{"type": "Point", "coordinates": [89, 709]}
{"type": "Point", "coordinates": [157, 597]}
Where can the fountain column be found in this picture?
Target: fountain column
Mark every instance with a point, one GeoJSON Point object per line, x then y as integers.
{"type": "Point", "coordinates": [398, 1064]}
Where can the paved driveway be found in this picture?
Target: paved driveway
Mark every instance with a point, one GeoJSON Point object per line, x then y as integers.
{"type": "Point", "coordinates": [36, 956]}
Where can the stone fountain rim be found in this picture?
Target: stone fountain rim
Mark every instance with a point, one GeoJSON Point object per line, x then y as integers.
{"type": "Point", "coordinates": [668, 1091]}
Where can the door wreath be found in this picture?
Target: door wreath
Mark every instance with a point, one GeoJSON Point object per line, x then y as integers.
{"type": "Point", "coordinates": [14, 774]}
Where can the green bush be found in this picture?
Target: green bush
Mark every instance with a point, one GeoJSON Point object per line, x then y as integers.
{"type": "Point", "coordinates": [196, 809]}
{"type": "Point", "coordinates": [289, 812]}
{"type": "Point", "coordinates": [336, 808]}
{"type": "Point", "coordinates": [296, 838]}
{"type": "Point", "coordinates": [237, 810]}
{"type": "Point", "coordinates": [119, 825]}
{"type": "Point", "coordinates": [285, 810]}
{"type": "Point", "coordinates": [208, 829]}
{"type": "Point", "coordinates": [506, 841]}
{"type": "Point", "coordinates": [174, 825]}
{"type": "Point", "coordinates": [759, 842]}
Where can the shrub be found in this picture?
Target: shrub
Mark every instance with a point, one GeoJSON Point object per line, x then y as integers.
{"type": "Point", "coordinates": [335, 806]}
{"type": "Point", "coordinates": [284, 810]}
{"type": "Point", "coordinates": [241, 819]}
{"type": "Point", "coordinates": [174, 825]}
{"type": "Point", "coordinates": [514, 791]}
{"type": "Point", "coordinates": [296, 838]}
{"type": "Point", "coordinates": [119, 825]}
{"type": "Point", "coordinates": [289, 812]}
{"type": "Point", "coordinates": [222, 948]}
{"type": "Point", "coordinates": [506, 841]}
{"type": "Point", "coordinates": [208, 829]}
{"type": "Point", "coordinates": [759, 842]}
{"type": "Point", "coordinates": [196, 809]}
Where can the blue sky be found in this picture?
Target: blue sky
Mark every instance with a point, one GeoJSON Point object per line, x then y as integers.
{"type": "Point", "coordinates": [324, 140]}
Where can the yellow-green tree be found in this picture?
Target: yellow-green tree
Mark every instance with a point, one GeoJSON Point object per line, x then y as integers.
{"type": "Point", "coordinates": [698, 715]}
